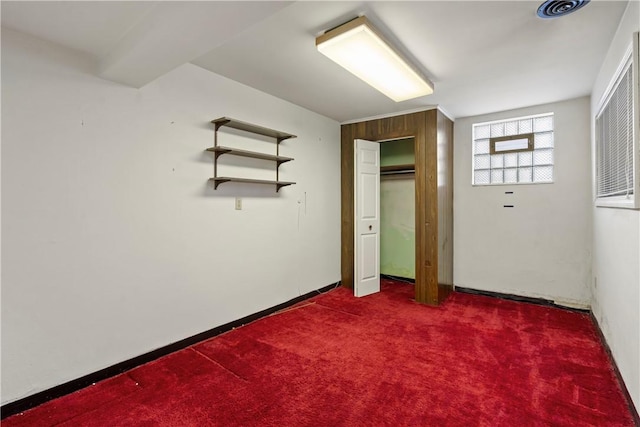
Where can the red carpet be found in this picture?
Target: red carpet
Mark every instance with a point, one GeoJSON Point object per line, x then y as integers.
{"type": "Point", "coordinates": [382, 360]}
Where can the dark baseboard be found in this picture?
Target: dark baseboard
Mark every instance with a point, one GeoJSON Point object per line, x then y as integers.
{"type": "Point", "coordinates": [623, 386]}
{"type": "Point", "coordinates": [398, 278]}
{"type": "Point", "coordinates": [518, 298]}
{"type": "Point", "coordinates": [79, 383]}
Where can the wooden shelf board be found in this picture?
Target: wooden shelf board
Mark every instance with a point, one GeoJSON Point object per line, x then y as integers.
{"type": "Point", "coordinates": [221, 179]}
{"type": "Point", "coordinates": [248, 127]}
{"type": "Point", "coordinates": [219, 150]}
{"type": "Point", "coordinates": [397, 168]}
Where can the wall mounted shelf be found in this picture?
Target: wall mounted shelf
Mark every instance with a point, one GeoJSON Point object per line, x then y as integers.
{"type": "Point", "coordinates": [219, 150]}
{"type": "Point", "coordinates": [221, 179]}
{"type": "Point", "coordinates": [248, 127]}
{"type": "Point", "coordinates": [255, 129]}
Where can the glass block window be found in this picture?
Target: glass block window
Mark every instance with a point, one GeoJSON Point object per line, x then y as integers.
{"type": "Point", "coordinates": [529, 166]}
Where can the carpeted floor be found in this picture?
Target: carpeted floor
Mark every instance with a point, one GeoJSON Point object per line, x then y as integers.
{"type": "Point", "coordinates": [382, 360]}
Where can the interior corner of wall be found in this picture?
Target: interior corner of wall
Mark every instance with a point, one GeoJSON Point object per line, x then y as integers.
{"type": "Point", "coordinates": [599, 318]}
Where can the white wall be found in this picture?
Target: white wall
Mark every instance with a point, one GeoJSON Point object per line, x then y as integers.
{"type": "Point", "coordinates": [616, 242]}
{"type": "Point", "coordinates": [114, 244]}
{"type": "Point", "coordinates": [541, 247]}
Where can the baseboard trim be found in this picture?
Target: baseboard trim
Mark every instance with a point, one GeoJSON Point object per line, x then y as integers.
{"type": "Point", "coordinates": [398, 278]}
{"type": "Point", "coordinates": [518, 298]}
{"type": "Point", "coordinates": [623, 386]}
{"type": "Point", "coordinates": [69, 387]}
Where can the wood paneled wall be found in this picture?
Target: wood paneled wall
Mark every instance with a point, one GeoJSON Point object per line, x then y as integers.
{"type": "Point", "coordinates": [445, 206]}
{"type": "Point", "coordinates": [430, 130]}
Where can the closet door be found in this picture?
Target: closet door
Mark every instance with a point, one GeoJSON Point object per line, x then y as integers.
{"type": "Point", "coordinates": [367, 217]}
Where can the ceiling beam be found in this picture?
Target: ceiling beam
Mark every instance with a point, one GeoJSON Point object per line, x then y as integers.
{"type": "Point", "coordinates": [174, 33]}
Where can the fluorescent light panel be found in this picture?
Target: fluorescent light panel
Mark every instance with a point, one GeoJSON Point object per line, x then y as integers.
{"type": "Point", "coordinates": [357, 47]}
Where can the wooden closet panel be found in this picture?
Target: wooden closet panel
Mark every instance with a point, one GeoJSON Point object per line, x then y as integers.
{"type": "Point", "coordinates": [445, 205]}
{"type": "Point", "coordinates": [346, 199]}
{"type": "Point", "coordinates": [422, 127]}
{"type": "Point", "coordinates": [426, 211]}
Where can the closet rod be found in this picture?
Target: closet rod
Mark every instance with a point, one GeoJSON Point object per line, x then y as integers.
{"type": "Point", "coordinates": [398, 172]}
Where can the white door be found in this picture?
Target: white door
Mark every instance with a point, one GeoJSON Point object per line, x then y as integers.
{"type": "Point", "coordinates": [367, 218]}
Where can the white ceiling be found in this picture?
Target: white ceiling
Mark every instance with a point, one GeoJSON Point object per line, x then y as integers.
{"type": "Point", "coordinates": [483, 56]}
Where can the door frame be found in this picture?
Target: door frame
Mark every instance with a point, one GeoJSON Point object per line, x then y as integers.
{"type": "Point", "coordinates": [423, 127]}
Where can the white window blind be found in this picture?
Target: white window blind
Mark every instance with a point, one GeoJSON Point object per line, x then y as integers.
{"type": "Point", "coordinates": [614, 140]}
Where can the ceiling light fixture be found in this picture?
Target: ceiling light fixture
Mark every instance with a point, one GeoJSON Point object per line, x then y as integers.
{"type": "Point", "coordinates": [359, 48]}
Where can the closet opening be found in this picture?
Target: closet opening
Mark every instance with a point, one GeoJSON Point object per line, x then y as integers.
{"type": "Point", "coordinates": [398, 209]}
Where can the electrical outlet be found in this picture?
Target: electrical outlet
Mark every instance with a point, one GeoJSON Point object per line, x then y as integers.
{"type": "Point", "coordinates": [238, 204]}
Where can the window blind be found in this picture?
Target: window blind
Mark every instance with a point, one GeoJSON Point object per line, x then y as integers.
{"type": "Point", "coordinates": [614, 141]}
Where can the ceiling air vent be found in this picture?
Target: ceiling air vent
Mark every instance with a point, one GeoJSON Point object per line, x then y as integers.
{"type": "Point", "coordinates": [556, 8]}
